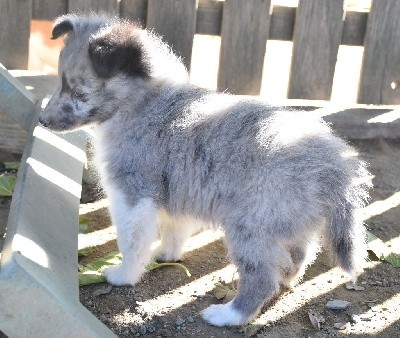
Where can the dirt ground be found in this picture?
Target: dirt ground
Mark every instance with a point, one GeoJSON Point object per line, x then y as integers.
{"type": "Point", "coordinates": [166, 303]}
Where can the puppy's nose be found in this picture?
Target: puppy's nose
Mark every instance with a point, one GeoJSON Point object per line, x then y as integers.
{"type": "Point", "coordinates": [43, 122]}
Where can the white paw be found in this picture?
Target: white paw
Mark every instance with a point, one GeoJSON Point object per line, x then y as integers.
{"type": "Point", "coordinates": [168, 255]}
{"type": "Point", "coordinates": [120, 275]}
{"type": "Point", "coordinates": [223, 314]}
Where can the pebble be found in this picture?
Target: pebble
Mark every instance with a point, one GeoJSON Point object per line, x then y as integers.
{"type": "Point", "coordinates": [103, 318]}
{"type": "Point", "coordinates": [337, 304]}
{"type": "Point", "coordinates": [179, 321]}
{"type": "Point", "coordinates": [102, 291]}
{"type": "Point", "coordinates": [164, 333]}
{"type": "Point", "coordinates": [341, 326]}
{"type": "Point", "coordinates": [138, 298]}
{"type": "Point", "coordinates": [190, 319]}
{"type": "Point", "coordinates": [352, 286]}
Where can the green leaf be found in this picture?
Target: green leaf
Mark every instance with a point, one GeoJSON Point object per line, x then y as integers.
{"type": "Point", "coordinates": [85, 252]}
{"type": "Point", "coordinates": [11, 165]}
{"type": "Point", "coordinates": [223, 292]}
{"type": "Point", "coordinates": [7, 185]}
{"type": "Point", "coordinates": [83, 224]}
{"type": "Point", "coordinates": [381, 250]}
{"type": "Point", "coordinates": [393, 259]}
{"type": "Point", "coordinates": [92, 272]}
{"type": "Point", "coordinates": [154, 265]}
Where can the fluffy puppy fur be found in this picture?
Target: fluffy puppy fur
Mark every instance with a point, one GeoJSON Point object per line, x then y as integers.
{"type": "Point", "coordinates": [276, 181]}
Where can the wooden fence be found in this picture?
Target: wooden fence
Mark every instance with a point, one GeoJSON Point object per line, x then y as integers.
{"type": "Point", "coordinates": [316, 27]}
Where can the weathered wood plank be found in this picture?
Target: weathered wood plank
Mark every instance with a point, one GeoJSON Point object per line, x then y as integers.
{"type": "Point", "coordinates": [48, 10]}
{"type": "Point", "coordinates": [245, 27]}
{"type": "Point", "coordinates": [316, 39]}
{"type": "Point", "coordinates": [380, 74]}
{"type": "Point", "coordinates": [175, 20]}
{"type": "Point", "coordinates": [16, 100]}
{"type": "Point", "coordinates": [108, 6]}
{"type": "Point", "coordinates": [354, 28]}
{"type": "Point", "coordinates": [38, 276]}
{"type": "Point", "coordinates": [282, 23]}
{"type": "Point", "coordinates": [135, 10]}
{"type": "Point", "coordinates": [209, 17]}
{"type": "Point", "coordinates": [12, 137]}
{"type": "Point", "coordinates": [15, 20]}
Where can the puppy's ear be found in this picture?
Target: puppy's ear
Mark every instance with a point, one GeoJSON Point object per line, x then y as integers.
{"type": "Point", "coordinates": [62, 25]}
{"type": "Point", "coordinates": [118, 50]}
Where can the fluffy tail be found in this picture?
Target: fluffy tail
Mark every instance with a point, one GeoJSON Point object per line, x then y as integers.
{"type": "Point", "coordinates": [346, 233]}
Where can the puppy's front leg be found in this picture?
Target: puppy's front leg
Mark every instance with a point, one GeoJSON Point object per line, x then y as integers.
{"type": "Point", "coordinates": [136, 229]}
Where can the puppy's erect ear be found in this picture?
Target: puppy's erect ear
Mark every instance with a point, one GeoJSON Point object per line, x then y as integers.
{"type": "Point", "coordinates": [62, 25]}
{"type": "Point", "coordinates": [118, 50]}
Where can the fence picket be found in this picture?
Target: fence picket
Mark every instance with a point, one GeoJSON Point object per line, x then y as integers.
{"type": "Point", "coordinates": [109, 6]}
{"type": "Point", "coordinates": [135, 10]}
{"type": "Point", "coordinates": [380, 75]}
{"type": "Point", "coordinates": [15, 20]}
{"type": "Point", "coordinates": [316, 38]}
{"type": "Point", "coordinates": [48, 10]}
{"type": "Point", "coordinates": [244, 33]}
{"type": "Point", "coordinates": [175, 20]}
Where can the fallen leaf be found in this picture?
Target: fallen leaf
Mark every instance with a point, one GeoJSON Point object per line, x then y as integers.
{"type": "Point", "coordinates": [85, 252]}
{"type": "Point", "coordinates": [229, 296]}
{"type": "Point", "coordinates": [7, 185]}
{"type": "Point", "coordinates": [154, 265]}
{"type": "Point", "coordinates": [92, 272]}
{"type": "Point", "coordinates": [11, 165]}
{"type": "Point", "coordinates": [83, 224]}
{"type": "Point", "coordinates": [220, 291]}
{"type": "Point", "coordinates": [381, 250]}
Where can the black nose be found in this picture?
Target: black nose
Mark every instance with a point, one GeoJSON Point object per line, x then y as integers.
{"type": "Point", "coordinates": [43, 122]}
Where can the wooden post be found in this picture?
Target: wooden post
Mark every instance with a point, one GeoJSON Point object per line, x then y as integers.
{"type": "Point", "coordinates": [175, 20]}
{"type": "Point", "coordinates": [48, 10]}
{"type": "Point", "coordinates": [316, 38]}
{"type": "Point", "coordinates": [380, 74]}
{"type": "Point", "coordinates": [244, 33]}
{"type": "Point", "coordinates": [135, 10]}
{"type": "Point", "coordinates": [15, 20]}
{"type": "Point", "coordinates": [109, 6]}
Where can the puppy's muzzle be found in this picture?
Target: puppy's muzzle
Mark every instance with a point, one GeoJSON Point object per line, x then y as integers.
{"type": "Point", "coordinates": [43, 122]}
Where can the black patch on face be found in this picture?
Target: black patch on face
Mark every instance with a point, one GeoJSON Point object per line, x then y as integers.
{"type": "Point", "coordinates": [67, 108]}
{"type": "Point", "coordinates": [62, 28]}
{"type": "Point", "coordinates": [119, 51]}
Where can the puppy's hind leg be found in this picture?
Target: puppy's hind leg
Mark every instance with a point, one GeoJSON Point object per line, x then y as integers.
{"type": "Point", "coordinates": [136, 229]}
{"type": "Point", "coordinates": [258, 261]}
{"type": "Point", "coordinates": [174, 232]}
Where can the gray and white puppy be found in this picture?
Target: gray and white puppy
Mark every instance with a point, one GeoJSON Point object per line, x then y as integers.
{"type": "Point", "coordinates": [277, 182]}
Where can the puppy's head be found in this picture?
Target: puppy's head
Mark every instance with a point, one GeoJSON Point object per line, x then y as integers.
{"type": "Point", "coordinates": [100, 56]}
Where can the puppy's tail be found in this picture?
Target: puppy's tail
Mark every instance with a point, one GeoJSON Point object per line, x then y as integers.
{"type": "Point", "coordinates": [346, 233]}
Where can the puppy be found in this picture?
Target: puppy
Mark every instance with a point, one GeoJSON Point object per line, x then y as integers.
{"type": "Point", "coordinates": [277, 182]}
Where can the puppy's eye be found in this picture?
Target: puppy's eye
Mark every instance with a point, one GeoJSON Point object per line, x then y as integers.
{"type": "Point", "coordinates": [79, 93]}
